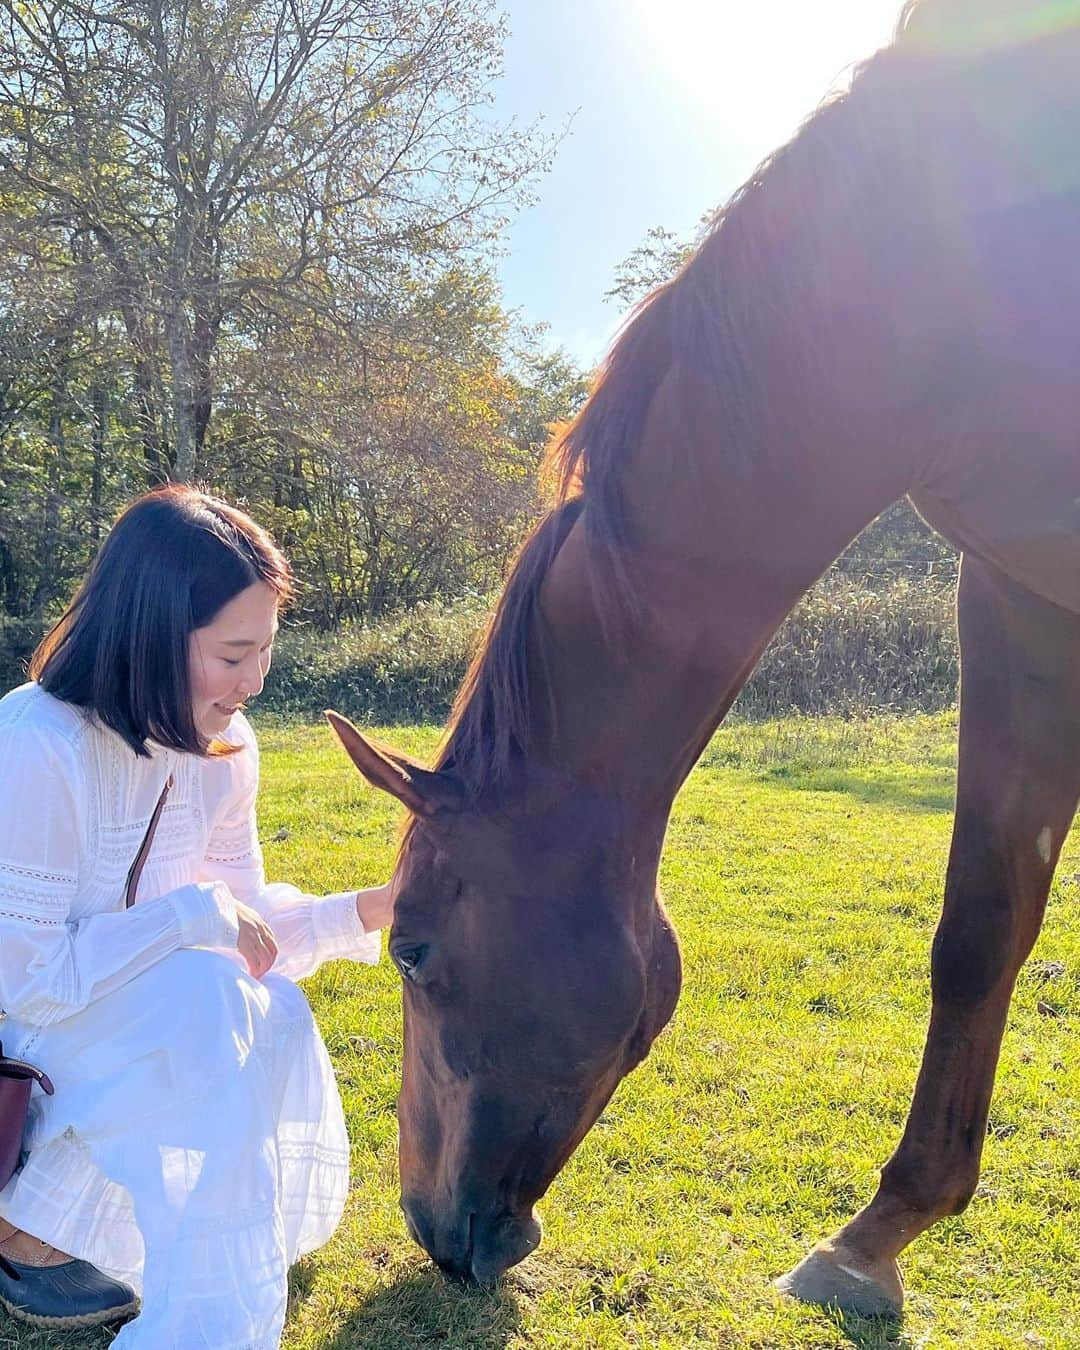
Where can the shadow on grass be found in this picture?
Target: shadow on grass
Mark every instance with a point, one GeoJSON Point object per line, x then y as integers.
{"type": "Point", "coordinates": [933, 796]}
{"type": "Point", "coordinates": [424, 1309]}
{"type": "Point", "coordinates": [875, 1333]}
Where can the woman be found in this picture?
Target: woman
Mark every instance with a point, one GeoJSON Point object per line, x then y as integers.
{"type": "Point", "coordinates": [195, 1144]}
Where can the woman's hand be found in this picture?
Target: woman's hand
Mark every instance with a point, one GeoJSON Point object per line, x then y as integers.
{"type": "Point", "coordinates": [375, 906]}
{"type": "Point", "coordinates": [256, 943]}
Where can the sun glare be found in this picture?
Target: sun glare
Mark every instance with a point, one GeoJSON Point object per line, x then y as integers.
{"type": "Point", "coordinates": [749, 72]}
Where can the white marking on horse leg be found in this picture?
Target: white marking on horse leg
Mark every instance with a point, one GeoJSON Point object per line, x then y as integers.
{"type": "Point", "coordinates": [1045, 844]}
{"type": "Point", "coordinates": [855, 1274]}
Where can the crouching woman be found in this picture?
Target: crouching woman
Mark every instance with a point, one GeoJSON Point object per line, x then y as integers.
{"type": "Point", "coordinates": [194, 1146]}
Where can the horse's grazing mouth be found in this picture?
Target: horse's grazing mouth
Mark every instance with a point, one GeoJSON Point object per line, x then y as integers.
{"type": "Point", "coordinates": [507, 1241]}
{"type": "Point", "coordinates": [851, 330]}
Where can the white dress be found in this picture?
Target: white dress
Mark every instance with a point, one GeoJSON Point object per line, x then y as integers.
{"type": "Point", "coordinates": [195, 1146]}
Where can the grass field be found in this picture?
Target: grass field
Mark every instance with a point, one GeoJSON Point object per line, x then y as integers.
{"type": "Point", "coordinates": [804, 870]}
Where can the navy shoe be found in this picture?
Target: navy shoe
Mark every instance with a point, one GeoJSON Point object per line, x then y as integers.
{"type": "Point", "coordinates": [74, 1294]}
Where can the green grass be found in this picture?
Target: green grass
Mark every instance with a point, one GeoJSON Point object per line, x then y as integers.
{"type": "Point", "coordinates": [804, 870]}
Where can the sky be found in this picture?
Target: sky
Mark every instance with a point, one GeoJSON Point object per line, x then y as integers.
{"type": "Point", "coordinates": [671, 105]}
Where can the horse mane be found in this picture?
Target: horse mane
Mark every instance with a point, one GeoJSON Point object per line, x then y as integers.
{"type": "Point", "coordinates": [696, 327]}
{"type": "Point", "coordinates": [492, 718]}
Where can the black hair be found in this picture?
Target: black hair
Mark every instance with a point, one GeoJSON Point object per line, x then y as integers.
{"type": "Point", "coordinates": [172, 561]}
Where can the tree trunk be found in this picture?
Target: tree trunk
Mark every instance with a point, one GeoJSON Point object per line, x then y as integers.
{"type": "Point", "coordinates": [45, 588]}
{"type": "Point", "coordinates": [9, 580]}
{"type": "Point", "coordinates": [99, 403]}
{"type": "Point", "coordinates": [183, 407]}
{"type": "Point", "coordinates": [207, 327]}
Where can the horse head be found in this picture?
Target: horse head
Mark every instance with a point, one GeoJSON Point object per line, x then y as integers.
{"type": "Point", "coordinates": [537, 968]}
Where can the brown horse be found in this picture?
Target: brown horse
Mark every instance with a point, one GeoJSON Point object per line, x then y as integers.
{"type": "Point", "coordinates": [890, 305]}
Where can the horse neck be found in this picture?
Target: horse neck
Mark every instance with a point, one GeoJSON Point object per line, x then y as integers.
{"type": "Point", "coordinates": [754, 418]}
{"type": "Point", "coordinates": [717, 560]}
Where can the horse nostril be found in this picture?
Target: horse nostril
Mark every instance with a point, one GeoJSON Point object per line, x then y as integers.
{"type": "Point", "coordinates": [503, 1244]}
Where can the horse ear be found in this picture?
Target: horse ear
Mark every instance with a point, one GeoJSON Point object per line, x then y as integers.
{"type": "Point", "coordinates": [423, 791]}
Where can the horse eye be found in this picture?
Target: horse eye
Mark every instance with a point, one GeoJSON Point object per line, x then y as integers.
{"type": "Point", "coordinates": [408, 960]}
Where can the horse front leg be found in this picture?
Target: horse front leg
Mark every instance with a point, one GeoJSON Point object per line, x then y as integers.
{"type": "Point", "coordinates": [1017, 788]}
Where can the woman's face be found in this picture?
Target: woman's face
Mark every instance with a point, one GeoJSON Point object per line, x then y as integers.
{"type": "Point", "coordinates": [229, 658]}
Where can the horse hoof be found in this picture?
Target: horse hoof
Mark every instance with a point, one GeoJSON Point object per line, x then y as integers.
{"type": "Point", "coordinates": [836, 1277]}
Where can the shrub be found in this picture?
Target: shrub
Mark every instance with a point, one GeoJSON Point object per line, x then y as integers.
{"type": "Point", "coordinates": [18, 638]}
{"type": "Point", "coordinates": [406, 667]}
{"type": "Point", "coordinates": [850, 646]}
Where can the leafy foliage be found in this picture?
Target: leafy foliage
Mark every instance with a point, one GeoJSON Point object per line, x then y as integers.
{"type": "Point", "coordinates": [246, 243]}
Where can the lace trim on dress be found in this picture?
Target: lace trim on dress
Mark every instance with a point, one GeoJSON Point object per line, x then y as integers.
{"type": "Point", "coordinates": [49, 878]}
{"type": "Point", "coordinates": [220, 856]}
{"type": "Point", "coordinates": [41, 920]}
{"type": "Point", "coordinates": [233, 843]}
{"type": "Point", "coordinates": [39, 896]}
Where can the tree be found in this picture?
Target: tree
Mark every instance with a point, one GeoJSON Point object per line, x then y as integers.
{"type": "Point", "coordinates": [408, 476]}
{"type": "Point", "coordinates": [233, 163]}
{"type": "Point", "coordinates": [652, 263]}
{"type": "Point", "coordinates": [245, 241]}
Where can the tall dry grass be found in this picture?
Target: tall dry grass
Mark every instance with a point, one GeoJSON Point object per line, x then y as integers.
{"type": "Point", "coordinates": [859, 646]}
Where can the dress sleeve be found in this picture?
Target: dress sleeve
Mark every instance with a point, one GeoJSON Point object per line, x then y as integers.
{"type": "Point", "coordinates": [53, 966]}
{"type": "Point", "coordinates": [309, 929]}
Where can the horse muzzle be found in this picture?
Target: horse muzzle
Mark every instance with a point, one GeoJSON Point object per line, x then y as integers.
{"type": "Point", "coordinates": [471, 1246]}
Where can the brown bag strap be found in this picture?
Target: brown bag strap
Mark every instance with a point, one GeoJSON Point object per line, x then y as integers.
{"type": "Point", "coordinates": [135, 870]}
{"type": "Point", "coordinates": [18, 1068]}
